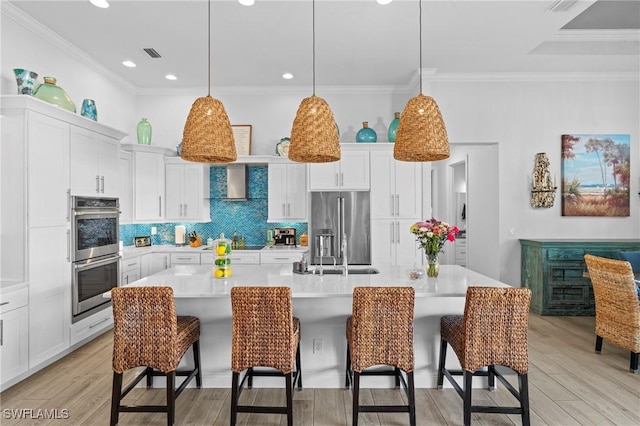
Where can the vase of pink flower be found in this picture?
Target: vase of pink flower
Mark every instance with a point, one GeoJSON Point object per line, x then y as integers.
{"type": "Point", "coordinates": [431, 234]}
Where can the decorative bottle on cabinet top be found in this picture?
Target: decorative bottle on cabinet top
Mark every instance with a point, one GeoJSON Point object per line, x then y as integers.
{"type": "Point", "coordinates": [49, 92]}
{"type": "Point", "coordinates": [89, 109]}
{"type": "Point", "coordinates": [26, 81]}
{"type": "Point", "coordinates": [366, 134]}
{"type": "Point", "coordinates": [144, 132]}
{"type": "Point", "coordinates": [393, 127]}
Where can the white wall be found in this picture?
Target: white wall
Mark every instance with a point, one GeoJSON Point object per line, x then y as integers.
{"type": "Point", "coordinates": [524, 115]}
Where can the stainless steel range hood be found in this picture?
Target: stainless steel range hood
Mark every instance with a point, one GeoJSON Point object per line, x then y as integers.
{"type": "Point", "coordinates": [236, 182]}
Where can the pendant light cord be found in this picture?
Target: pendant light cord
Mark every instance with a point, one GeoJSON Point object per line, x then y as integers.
{"type": "Point", "coordinates": [420, 70]}
{"type": "Point", "coordinates": [209, 49]}
{"type": "Point", "coordinates": [313, 41]}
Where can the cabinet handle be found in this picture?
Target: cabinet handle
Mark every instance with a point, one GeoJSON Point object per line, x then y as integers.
{"type": "Point", "coordinates": [288, 210]}
{"type": "Point", "coordinates": [68, 204]}
{"type": "Point", "coordinates": [392, 211]}
{"type": "Point", "coordinates": [183, 258]}
{"type": "Point", "coordinates": [166, 262]}
{"type": "Point", "coordinates": [4, 303]}
{"type": "Point", "coordinates": [398, 232]}
{"type": "Point", "coordinates": [1, 332]}
{"type": "Point", "coordinates": [131, 264]}
{"type": "Point", "coordinates": [397, 204]}
{"type": "Point", "coordinates": [102, 184]}
{"type": "Point", "coordinates": [159, 205]}
{"type": "Point", "coordinates": [341, 179]}
{"type": "Point", "coordinates": [99, 322]}
{"type": "Point", "coordinates": [126, 279]}
{"type": "Point", "coordinates": [97, 184]}
{"type": "Point", "coordinates": [391, 234]}
{"type": "Point", "coordinates": [68, 245]}
{"type": "Point", "coordinates": [337, 180]}
{"type": "Point", "coordinates": [284, 213]}
{"type": "Point", "coordinates": [185, 209]}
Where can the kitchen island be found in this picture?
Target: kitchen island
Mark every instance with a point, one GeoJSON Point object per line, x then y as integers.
{"type": "Point", "coordinates": [322, 303]}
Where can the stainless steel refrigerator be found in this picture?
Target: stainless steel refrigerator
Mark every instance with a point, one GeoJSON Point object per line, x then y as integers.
{"type": "Point", "coordinates": [335, 214]}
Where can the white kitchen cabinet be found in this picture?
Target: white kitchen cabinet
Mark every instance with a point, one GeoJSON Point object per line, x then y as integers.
{"type": "Point", "coordinates": [396, 187]}
{"type": "Point", "coordinates": [393, 244]}
{"type": "Point", "coordinates": [130, 270]}
{"type": "Point", "coordinates": [148, 182]}
{"type": "Point", "coordinates": [287, 193]}
{"type": "Point", "coordinates": [185, 259]}
{"type": "Point", "coordinates": [460, 250]}
{"type": "Point", "coordinates": [351, 173]}
{"type": "Point", "coordinates": [158, 262]}
{"type": "Point", "coordinates": [91, 326]}
{"type": "Point", "coordinates": [14, 333]}
{"type": "Point", "coordinates": [236, 258]}
{"type": "Point", "coordinates": [126, 187]}
{"type": "Point", "coordinates": [187, 191]}
{"type": "Point", "coordinates": [94, 163]}
{"type": "Point", "coordinates": [279, 257]}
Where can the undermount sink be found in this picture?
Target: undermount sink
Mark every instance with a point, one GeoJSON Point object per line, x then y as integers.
{"type": "Point", "coordinates": [354, 271]}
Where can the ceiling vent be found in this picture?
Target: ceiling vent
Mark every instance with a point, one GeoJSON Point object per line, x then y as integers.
{"type": "Point", "coordinates": [152, 52]}
{"type": "Point", "coordinates": [561, 5]}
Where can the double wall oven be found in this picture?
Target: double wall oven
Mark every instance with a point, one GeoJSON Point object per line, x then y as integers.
{"type": "Point", "coordinates": [95, 245]}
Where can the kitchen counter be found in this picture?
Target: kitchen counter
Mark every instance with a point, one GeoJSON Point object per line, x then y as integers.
{"type": "Point", "coordinates": [322, 303]}
{"type": "Point", "coordinates": [131, 251]}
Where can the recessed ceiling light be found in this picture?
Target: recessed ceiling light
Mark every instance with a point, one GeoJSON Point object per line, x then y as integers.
{"type": "Point", "coordinates": [383, 1]}
{"type": "Point", "coordinates": [129, 64]}
{"type": "Point", "coordinates": [287, 76]}
{"type": "Point", "coordinates": [102, 4]}
{"type": "Point", "coordinates": [170, 77]}
{"type": "Point", "coordinates": [246, 2]}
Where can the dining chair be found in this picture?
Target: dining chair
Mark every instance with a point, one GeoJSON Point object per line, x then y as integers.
{"type": "Point", "coordinates": [264, 334]}
{"type": "Point", "coordinates": [492, 331]}
{"type": "Point", "coordinates": [148, 333]}
{"type": "Point", "coordinates": [617, 305]}
{"type": "Point", "coordinates": [380, 333]}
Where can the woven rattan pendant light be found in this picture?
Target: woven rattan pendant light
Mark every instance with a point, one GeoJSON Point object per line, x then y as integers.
{"type": "Point", "coordinates": [207, 136]}
{"type": "Point", "coordinates": [421, 134]}
{"type": "Point", "coordinates": [314, 135]}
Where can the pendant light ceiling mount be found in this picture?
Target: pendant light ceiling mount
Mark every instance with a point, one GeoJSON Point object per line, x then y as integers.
{"type": "Point", "coordinates": [207, 135]}
{"type": "Point", "coordinates": [421, 134]}
{"type": "Point", "coordinates": [314, 134]}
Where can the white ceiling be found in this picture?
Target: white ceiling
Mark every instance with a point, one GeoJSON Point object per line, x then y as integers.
{"type": "Point", "coordinates": [358, 43]}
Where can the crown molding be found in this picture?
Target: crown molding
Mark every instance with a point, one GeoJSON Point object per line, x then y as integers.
{"type": "Point", "coordinates": [279, 90]}
{"type": "Point", "coordinates": [17, 15]}
{"type": "Point", "coordinates": [537, 77]}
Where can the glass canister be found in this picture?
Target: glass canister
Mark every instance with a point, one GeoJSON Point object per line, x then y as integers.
{"type": "Point", "coordinates": [366, 134]}
{"type": "Point", "coordinates": [144, 132]}
{"type": "Point", "coordinates": [50, 92]}
{"type": "Point", "coordinates": [393, 127]}
{"type": "Point", "coordinates": [222, 260]}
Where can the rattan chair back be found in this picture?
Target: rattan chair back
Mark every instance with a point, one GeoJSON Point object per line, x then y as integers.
{"type": "Point", "coordinates": [145, 329]}
{"type": "Point", "coordinates": [381, 327]}
{"type": "Point", "coordinates": [617, 305]}
{"type": "Point", "coordinates": [494, 330]}
{"type": "Point", "coordinates": [263, 332]}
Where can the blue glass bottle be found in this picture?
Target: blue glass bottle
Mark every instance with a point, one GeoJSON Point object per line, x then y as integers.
{"type": "Point", "coordinates": [366, 134]}
{"type": "Point", "coordinates": [393, 127]}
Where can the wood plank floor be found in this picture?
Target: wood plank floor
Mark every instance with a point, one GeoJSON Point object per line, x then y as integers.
{"type": "Point", "coordinates": [569, 385]}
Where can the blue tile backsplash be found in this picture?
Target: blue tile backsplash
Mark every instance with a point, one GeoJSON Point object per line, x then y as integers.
{"type": "Point", "coordinates": [248, 218]}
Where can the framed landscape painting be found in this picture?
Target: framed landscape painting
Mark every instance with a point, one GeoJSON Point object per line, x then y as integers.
{"type": "Point", "coordinates": [595, 175]}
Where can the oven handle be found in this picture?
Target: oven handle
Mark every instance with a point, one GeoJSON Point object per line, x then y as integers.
{"type": "Point", "coordinates": [94, 212]}
{"type": "Point", "coordinates": [92, 264]}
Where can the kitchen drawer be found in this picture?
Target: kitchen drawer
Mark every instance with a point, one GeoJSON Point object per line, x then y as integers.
{"type": "Point", "coordinates": [238, 258]}
{"type": "Point", "coordinates": [131, 264]}
{"type": "Point", "coordinates": [185, 259]}
{"type": "Point", "coordinates": [92, 325]}
{"type": "Point", "coordinates": [279, 258]}
{"type": "Point", "coordinates": [14, 299]}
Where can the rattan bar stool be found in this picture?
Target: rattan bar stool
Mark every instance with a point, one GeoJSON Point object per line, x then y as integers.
{"type": "Point", "coordinates": [492, 331]}
{"type": "Point", "coordinates": [147, 333]}
{"type": "Point", "coordinates": [380, 332]}
{"type": "Point", "coordinates": [617, 305]}
{"type": "Point", "coordinates": [264, 334]}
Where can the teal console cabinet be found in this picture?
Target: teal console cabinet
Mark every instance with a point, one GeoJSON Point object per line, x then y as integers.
{"type": "Point", "coordinates": [554, 271]}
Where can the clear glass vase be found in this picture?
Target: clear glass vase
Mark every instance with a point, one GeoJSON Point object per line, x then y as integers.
{"type": "Point", "coordinates": [433, 266]}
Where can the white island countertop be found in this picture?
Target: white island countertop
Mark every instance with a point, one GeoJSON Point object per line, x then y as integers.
{"type": "Point", "coordinates": [192, 281]}
{"type": "Point", "coordinates": [322, 303]}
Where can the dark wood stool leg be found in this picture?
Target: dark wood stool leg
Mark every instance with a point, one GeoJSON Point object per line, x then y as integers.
{"type": "Point", "coordinates": [598, 344]}
{"type": "Point", "coordinates": [250, 378]}
{"type": "Point", "coordinates": [299, 367]}
{"type": "Point", "coordinates": [397, 377]}
{"type": "Point", "coordinates": [347, 378]}
{"type": "Point", "coordinates": [356, 397]}
{"type": "Point", "coordinates": [443, 358]}
{"type": "Point", "coordinates": [196, 362]}
{"type": "Point", "coordinates": [411, 396]}
{"type": "Point", "coordinates": [466, 390]}
{"type": "Point", "coordinates": [171, 398]}
{"type": "Point", "coordinates": [523, 381]}
{"type": "Point", "coordinates": [234, 397]}
{"type": "Point", "coordinates": [491, 377]}
{"type": "Point", "coordinates": [289, 393]}
{"type": "Point", "coordinates": [149, 372]}
{"type": "Point", "coordinates": [633, 363]}
{"type": "Point", "coordinates": [115, 397]}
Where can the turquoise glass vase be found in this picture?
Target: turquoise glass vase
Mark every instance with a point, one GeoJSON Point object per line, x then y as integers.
{"type": "Point", "coordinates": [366, 134]}
{"type": "Point", "coordinates": [144, 132]}
{"type": "Point", "coordinates": [26, 81]}
{"type": "Point", "coordinates": [50, 92]}
{"type": "Point", "coordinates": [393, 127]}
{"type": "Point", "coordinates": [89, 110]}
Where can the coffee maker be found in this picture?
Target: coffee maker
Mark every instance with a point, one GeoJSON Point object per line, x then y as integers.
{"type": "Point", "coordinates": [284, 237]}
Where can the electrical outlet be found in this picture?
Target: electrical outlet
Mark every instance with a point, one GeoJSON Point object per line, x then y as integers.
{"type": "Point", "coordinates": [318, 347]}
{"type": "Point", "coordinates": [154, 230]}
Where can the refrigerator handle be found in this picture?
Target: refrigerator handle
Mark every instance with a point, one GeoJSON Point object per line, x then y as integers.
{"type": "Point", "coordinates": [341, 229]}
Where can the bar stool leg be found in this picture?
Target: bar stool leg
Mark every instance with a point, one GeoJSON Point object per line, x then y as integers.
{"type": "Point", "coordinates": [356, 397]}
{"type": "Point", "coordinates": [466, 390]}
{"type": "Point", "coordinates": [443, 357]}
{"type": "Point", "coordinates": [491, 377]}
{"type": "Point", "coordinates": [299, 367]}
{"type": "Point", "coordinates": [289, 393]}
{"type": "Point", "coordinates": [397, 377]}
{"type": "Point", "coordinates": [171, 398]}
{"type": "Point", "coordinates": [234, 397]}
{"type": "Point", "coordinates": [196, 362]}
{"type": "Point", "coordinates": [412, 399]}
{"type": "Point", "coordinates": [523, 381]}
{"type": "Point", "coordinates": [115, 397]}
{"type": "Point", "coordinates": [347, 378]}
